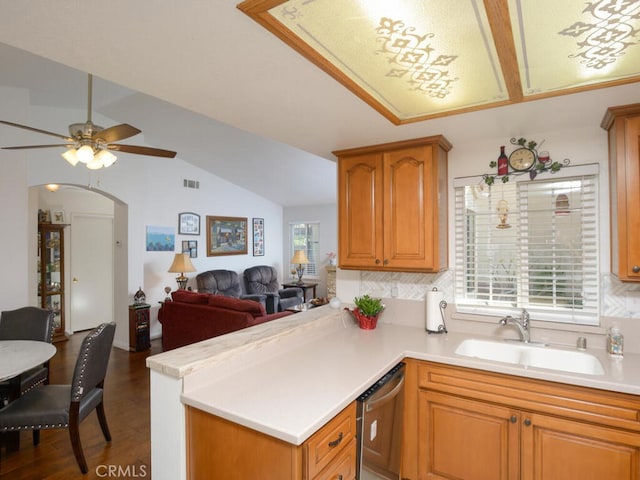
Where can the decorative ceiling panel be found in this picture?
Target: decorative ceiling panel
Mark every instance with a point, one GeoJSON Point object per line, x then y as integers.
{"type": "Point", "coordinates": [417, 59]}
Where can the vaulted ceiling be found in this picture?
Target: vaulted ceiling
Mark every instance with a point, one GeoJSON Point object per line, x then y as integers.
{"type": "Point", "coordinates": [206, 80]}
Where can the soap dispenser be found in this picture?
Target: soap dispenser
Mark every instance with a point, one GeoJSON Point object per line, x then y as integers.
{"type": "Point", "coordinates": [615, 342]}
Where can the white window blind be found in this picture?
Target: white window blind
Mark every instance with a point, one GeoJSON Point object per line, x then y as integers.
{"type": "Point", "coordinates": [529, 244]}
{"type": "Point", "coordinates": [306, 236]}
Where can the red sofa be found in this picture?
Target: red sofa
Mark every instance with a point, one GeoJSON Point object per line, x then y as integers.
{"type": "Point", "coordinates": [192, 317]}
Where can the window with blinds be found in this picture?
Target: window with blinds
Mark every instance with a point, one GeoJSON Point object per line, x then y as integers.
{"type": "Point", "coordinates": [306, 236]}
{"type": "Point", "coordinates": [529, 244]}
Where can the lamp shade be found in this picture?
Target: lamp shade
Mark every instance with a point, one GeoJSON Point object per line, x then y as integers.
{"type": "Point", "coordinates": [181, 263]}
{"type": "Point", "coordinates": [300, 257]}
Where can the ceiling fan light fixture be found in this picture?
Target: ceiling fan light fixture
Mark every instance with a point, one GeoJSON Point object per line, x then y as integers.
{"type": "Point", "coordinates": [71, 156]}
{"type": "Point", "coordinates": [94, 164]}
{"type": "Point", "coordinates": [85, 154]}
{"type": "Point", "coordinates": [106, 158]}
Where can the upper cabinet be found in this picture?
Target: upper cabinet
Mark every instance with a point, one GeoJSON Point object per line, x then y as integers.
{"type": "Point", "coordinates": [623, 125]}
{"type": "Point", "coordinates": [392, 206]}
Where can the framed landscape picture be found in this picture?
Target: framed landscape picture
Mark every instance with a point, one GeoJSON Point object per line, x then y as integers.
{"type": "Point", "coordinates": [258, 237]}
{"type": "Point", "coordinates": [188, 223]}
{"type": "Point", "coordinates": [226, 236]}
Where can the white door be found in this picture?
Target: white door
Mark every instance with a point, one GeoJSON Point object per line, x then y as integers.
{"type": "Point", "coordinates": [91, 271]}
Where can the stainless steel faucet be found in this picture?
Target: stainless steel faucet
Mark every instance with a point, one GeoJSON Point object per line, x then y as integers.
{"type": "Point", "coordinates": [521, 324]}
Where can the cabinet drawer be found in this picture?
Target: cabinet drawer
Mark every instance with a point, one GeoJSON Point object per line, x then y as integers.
{"type": "Point", "coordinates": [343, 467]}
{"type": "Point", "coordinates": [328, 442]}
{"type": "Point", "coordinates": [571, 401]}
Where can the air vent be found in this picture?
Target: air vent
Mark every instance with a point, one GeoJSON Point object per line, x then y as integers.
{"type": "Point", "coordinates": [191, 183]}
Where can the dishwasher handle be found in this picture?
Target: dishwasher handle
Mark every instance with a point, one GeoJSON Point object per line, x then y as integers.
{"type": "Point", "coordinates": [370, 404]}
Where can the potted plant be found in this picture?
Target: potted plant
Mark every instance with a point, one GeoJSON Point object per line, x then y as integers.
{"type": "Point", "coordinates": [367, 311]}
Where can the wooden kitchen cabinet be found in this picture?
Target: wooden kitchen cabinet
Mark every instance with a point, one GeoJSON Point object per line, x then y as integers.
{"type": "Point", "coordinates": [220, 449]}
{"type": "Point", "coordinates": [623, 125]}
{"type": "Point", "coordinates": [477, 425]}
{"type": "Point", "coordinates": [392, 206]}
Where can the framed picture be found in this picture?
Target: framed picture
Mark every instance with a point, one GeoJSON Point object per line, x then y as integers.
{"type": "Point", "coordinates": [226, 236]}
{"type": "Point", "coordinates": [160, 239]}
{"type": "Point", "coordinates": [190, 247]}
{"type": "Point", "coordinates": [188, 223]}
{"type": "Point", "coordinates": [258, 237]}
{"type": "Point", "coordinates": [57, 216]}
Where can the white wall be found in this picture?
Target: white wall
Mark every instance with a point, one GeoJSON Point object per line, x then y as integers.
{"type": "Point", "coordinates": [327, 216]}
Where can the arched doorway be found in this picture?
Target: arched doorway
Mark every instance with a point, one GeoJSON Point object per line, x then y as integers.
{"type": "Point", "coordinates": [94, 268]}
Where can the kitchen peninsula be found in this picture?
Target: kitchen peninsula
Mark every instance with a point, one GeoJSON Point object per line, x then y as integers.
{"type": "Point", "coordinates": [288, 378]}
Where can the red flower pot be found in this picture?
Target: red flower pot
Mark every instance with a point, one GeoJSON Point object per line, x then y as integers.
{"type": "Point", "coordinates": [365, 321]}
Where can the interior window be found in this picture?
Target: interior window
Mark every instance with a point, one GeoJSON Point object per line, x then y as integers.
{"type": "Point", "coordinates": [305, 236]}
{"type": "Point", "coordinates": [529, 244]}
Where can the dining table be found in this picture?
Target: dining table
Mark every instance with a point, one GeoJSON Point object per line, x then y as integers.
{"type": "Point", "coordinates": [17, 357]}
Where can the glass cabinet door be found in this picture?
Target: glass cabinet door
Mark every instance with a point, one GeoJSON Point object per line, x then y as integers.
{"type": "Point", "coordinates": [51, 266]}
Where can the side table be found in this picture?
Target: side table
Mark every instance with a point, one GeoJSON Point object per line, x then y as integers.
{"type": "Point", "coordinates": [139, 334]}
{"type": "Point", "coordinates": [304, 286]}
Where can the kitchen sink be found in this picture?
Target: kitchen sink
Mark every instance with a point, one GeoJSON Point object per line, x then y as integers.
{"type": "Point", "coordinates": [529, 355]}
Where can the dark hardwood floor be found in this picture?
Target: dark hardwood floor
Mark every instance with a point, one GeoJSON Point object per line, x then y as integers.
{"type": "Point", "coordinates": [127, 456]}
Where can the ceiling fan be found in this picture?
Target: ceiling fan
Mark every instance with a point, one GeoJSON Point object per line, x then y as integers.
{"type": "Point", "coordinates": [91, 144]}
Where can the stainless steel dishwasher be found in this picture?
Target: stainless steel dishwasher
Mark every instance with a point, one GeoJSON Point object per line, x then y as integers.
{"type": "Point", "coordinates": [379, 427]}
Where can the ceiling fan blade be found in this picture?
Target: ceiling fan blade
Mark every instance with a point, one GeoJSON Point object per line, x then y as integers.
{"type": "Point", "coordinates": [24, 147]}
{"type": "Point", "coordinates": [153, 152]}
{"type": "Point", "coordinates": [11, 124]}
{"type": "Point", "coordinates": [115, 133]}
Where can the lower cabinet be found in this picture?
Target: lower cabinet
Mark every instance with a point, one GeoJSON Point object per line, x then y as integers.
{"type": "Point", "coordinates": [219, 449]}
{"type": "Point", "coordinates": [475, 425]}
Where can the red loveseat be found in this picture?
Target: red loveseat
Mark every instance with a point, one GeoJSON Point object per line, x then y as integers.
{"type": "Point", "coordinates": [192, 317]}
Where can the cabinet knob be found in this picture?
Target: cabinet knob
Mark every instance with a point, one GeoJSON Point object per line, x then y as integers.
{"type": "Point", "coordinates": [513, 419]}
{"type": "Point", "coordinates": [527, 422]}
{"type": "Point", "coordinates": [385, 261]}
{"type": "Point", "coordinates": [377, 261]}
{"type": "Point", "coordinates": [636, 269]}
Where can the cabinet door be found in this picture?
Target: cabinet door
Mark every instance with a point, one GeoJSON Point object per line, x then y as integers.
{"type": "Point", "coordinates": [554, 448]}
{"type": "Point", "coordinates": [631, 268]}
{"type": "Point", "coordinates": [409, 210]}
{"type": "Point", "coordinates": [360, 215]}
{"type": "Point", "coordinates": [466, 439]}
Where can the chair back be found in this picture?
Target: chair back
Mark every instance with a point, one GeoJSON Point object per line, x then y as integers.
{"type": "Point", "coordinates": [92, 362]}
{"type": "Point", "coordinates": [261, 279]}
{"type": "Point", "coordinates": [219, 282]}
{"type": "Point", "coordinates": [27, 323]}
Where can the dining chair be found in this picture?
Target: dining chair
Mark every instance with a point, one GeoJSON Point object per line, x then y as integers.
{"type": "Point", "coordinates": [65, 406]}
{"type": "Point", "coordinates": [26, 323]}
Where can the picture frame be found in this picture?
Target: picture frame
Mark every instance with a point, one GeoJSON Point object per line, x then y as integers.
{"type": "Point", "coordinates": [226, 236]}
{"type": "Point", "coordinates": [258, 237]}
{"type": "Point", "coordinates": [57, 216]}
{"type": "Point", "coordinates": [188, 223]}
{"type": "Point", "coordinates": [160, 239]}
{"type": "Point", "coordinates": [190, 247]}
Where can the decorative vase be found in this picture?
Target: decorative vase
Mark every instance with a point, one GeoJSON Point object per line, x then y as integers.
{"type": "Point", "coordinates": [365, 322]}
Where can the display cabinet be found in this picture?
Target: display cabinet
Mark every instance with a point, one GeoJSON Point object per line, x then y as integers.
{"type": "Point", "coordinates": [51, 285]}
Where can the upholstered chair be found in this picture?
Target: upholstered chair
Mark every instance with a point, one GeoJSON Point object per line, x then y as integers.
{"type": "Point", "coordinates": [227, 283]}
{"type": "Point", "coordinates": [263, 279]}
{"type": "Point", "coordinates": [27, 323]}
{"type": "Point", "coordinates": [65, 406]}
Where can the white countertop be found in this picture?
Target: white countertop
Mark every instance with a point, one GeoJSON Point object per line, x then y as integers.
{"type": "Point", "coordinates": [293, 375]}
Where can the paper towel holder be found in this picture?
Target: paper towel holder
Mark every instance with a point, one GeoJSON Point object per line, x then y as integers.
{"type": "Point", "coordinates": [442, 328]}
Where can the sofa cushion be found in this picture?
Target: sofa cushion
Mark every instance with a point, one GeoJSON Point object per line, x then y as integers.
{"type": "Point", "coordinates": [185, 296]}
{"type": "Point", "coordinates": [230, 303]}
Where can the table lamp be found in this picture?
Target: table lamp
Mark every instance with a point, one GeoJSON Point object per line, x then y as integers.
{"type": "Point", "coordinates": [181, 263]}
{"type": "Point", "coordinates": [301, 259]}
